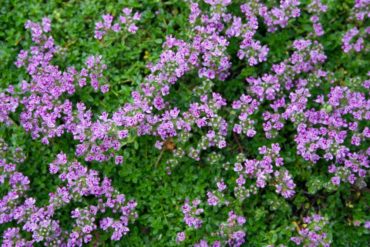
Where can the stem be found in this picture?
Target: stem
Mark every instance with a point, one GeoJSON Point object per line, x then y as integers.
{"type": "Point", "coordinates": [159, 158]}
{"type": "Point", "coordinates": [13, 121]}
{"type": "Point", "coordinates": [240, 147]}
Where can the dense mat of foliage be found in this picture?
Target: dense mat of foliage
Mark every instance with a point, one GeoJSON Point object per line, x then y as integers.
{"type": "Point", "coordinates": [184, 123]}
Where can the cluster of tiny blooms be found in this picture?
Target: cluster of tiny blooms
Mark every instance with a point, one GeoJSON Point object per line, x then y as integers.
{"type": "Point", "coordinates": [312, 233]}
{"type": "Point", "coordinates": [46, 112]}
{"type": "Point", "coordinates": [316, 7]}
{"type": "Point", "coordinates": [230, 233]}
{"type": "Point", "coordinates": [266, 171]}
{"type": "Point", "coordinates": [14, 154]}
{"type": "Point", "coordinates": [126, 22]}
{"type": "Point", "coordinates": [354, 38]}
{"type": "Point", "coordinates": [8, 105]}
{"type": "Point", "coordinates": [191, 212]}
{"type": "Point", "coordinates": [77, 182]}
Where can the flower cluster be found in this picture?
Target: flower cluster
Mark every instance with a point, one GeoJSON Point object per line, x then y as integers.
{"type": "Point", "coordinates": [250, 48]}
{"type": "Point", "coordinates": [79, 182]}
{"type": "Point", "coordinates": [325, 131]}
{"type": "Point", "coordinates": [279, 16]}
{"type": "Point", "coordinates": [8, 104]}
{"type": "Point", "coordinates": [233, 229]}
{"type": "Point", "coordinates": [127, 21]}
{"type": "Point", "coordinates": [231, 233]}
{"type": "Point", "coordinates": [316, 7]}
{"type": "Point", "coordinates": [96, 141]}
{"type": "Point", "coordinates": [247, 106]}
{"type": "Point", "coordinates": [191, 212]}
{"type": "Point", "coordinates": [313, 232]}
{"type": "Point", "coordinates": [209, 41]}
{"type": "Point", "coordinates": [306, 58]}
{"type": "Point", "coordinates": [46, 112]}
{"type": "Point", "coordinates": [354, 38]}
{"type": "Point", "coordinates": [264, 171]}
{"type": "Point", "coordinates": [11, 153]}
{"type": "Point", "coordinates": [99, 140]}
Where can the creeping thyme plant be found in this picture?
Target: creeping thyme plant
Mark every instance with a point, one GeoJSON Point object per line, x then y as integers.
{"type": "Point", "coordinates": [185, 123]}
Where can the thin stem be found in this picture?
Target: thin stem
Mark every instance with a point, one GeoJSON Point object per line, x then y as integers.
{"type": "Point", "coordinates": [159, 158]}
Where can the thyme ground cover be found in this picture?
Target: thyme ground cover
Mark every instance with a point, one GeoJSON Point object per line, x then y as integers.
{"type": "Point", "coordinates": [185, 123]}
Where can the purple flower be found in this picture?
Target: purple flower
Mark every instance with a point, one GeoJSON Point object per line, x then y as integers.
{"type": "Point", "coordinates": [180, 237]}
